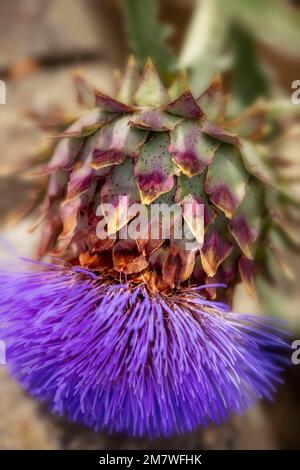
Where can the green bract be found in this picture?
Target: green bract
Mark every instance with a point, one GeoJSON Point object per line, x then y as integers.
{"type": "Point", "coordinates": [153, 144]}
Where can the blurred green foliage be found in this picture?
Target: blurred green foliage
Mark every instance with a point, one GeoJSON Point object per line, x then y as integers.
{"type": "Point", "coordinates": [222, 35]}
{"type": "Point", "coordinates": [147, 35]}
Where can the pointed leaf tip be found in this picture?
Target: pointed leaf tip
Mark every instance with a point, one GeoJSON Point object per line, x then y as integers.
{"type": "Point", "coordinates": [84, 90]}
{"type": "Point", "coordinates": [91, 97]}
{"type": "Point", "coordinates": [179, 263]}
{"type": "Point", "coordinates": [129, 82]}
{"type": "Point", "coordinates": [110, 104]}
{"type": "Point", "coordinates": [186, 106]}
{"type": "Point", "coordinates": [247, 219]}
{"type": "Point", "coordinates": [116, 141]}
{"type": "Point", "coordinates": [218, 132]}
{"type": "Point", "coordinates": [192, 150]}
{"type": "Point", "coordinates": [227, 179]}
{"type": "Point", "coordinates": [212, 101]}
{"type": "Point", "coordinates": [151, 91]}
{"type": "Point", "coordinates": [179, 86]}
{"type": "Point", "coordinates": [121, 191]}
{"type": "Point", "coordinates": [247, 270]}
{"type": "Point", "coordinates": [215, 250]}
{"type": "Point", "coordinates": [155, 169]}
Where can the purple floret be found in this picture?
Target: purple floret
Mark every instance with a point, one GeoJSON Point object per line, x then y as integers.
{"type": "Point", "coordinates": [118, 357]}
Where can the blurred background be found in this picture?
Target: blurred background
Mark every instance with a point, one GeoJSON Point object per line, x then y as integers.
{"type": "Point", "coordinates": [255, 44]}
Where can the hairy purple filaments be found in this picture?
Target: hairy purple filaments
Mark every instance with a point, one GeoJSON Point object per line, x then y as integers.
{"type": "Point", "coordinates": [117, 357]}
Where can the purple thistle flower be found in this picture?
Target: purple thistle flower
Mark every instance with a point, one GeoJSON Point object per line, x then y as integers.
{"type": "Point", "coordinates": [118, 357]}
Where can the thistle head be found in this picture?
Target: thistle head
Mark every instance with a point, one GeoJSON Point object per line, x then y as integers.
{"type": "Point", "coordinates": [126, 334]}
{"type": "Point", "coordinates": [121, 358]}
{"type": "Point", "coordinates": [156, 146]}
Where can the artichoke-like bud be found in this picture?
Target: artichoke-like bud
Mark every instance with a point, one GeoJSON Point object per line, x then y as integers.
{"type": "Point", "coordinates": [126, 333]}
{"type": "Point", "coordinates": [152, 145]}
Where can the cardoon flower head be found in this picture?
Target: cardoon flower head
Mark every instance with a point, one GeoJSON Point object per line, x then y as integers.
{"type": "Point", "coordinates": [132, 334]}
{"type": "Point", "coordinates": [151, 146]}
{"type": "Point", "coordinates": [123, 358]}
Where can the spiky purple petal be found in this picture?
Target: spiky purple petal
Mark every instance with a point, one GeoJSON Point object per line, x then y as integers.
{"type": "Point", "coordinates": [118, 357]}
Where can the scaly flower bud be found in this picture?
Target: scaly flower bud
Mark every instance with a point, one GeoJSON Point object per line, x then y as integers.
{"type": "Point", "coordinates": [127, 334]}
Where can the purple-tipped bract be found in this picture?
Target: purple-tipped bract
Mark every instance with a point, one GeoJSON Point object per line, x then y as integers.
{"type": "Point", "coordinates": [118, 357]}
